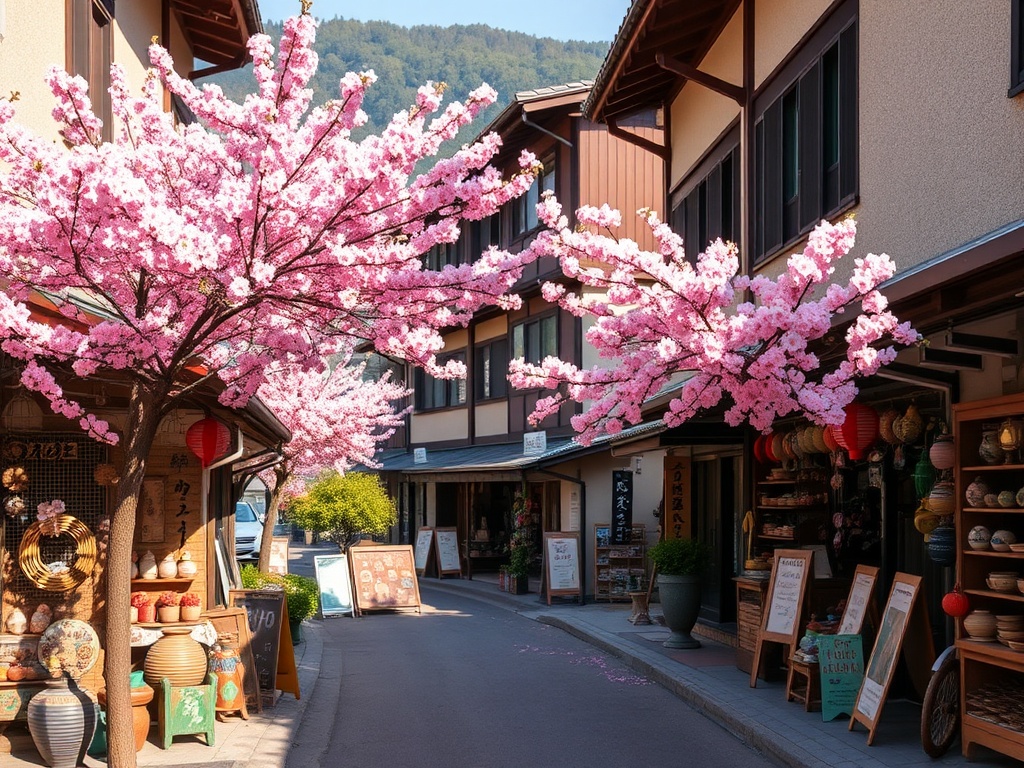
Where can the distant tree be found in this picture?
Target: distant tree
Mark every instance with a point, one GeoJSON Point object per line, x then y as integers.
{"type": "Point", "coordinates": [340, 507]}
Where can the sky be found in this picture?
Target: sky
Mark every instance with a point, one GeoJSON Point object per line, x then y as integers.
{"type": "Point", "coordinates": [588, 20]}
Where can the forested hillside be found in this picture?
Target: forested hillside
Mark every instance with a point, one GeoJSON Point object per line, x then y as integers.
{"type": "Point", "coordinates": [405, 58]}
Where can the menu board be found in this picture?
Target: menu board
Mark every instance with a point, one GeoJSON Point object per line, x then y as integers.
{"type": "Point", "coordinates": [784, 606]}
{"type": "Point", "coordinates": [860, 601]}
{"type": "Point", "coordinates": [562, 563]}
{"type": "Point", "coordinates": [384, 577]}
{"type": "Point", "coordinates": [424, 540]}
{"type": "Point", "coordinates": [447, 542]}
{"type": "Point", "coordinates": [841, 667]}
{"type": "Point", "coordinates": [265, 609]}
{"type": "Point", "coordinates": [332, 577]}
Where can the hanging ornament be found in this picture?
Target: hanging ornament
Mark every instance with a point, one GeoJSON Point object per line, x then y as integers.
{"type": "Point", "coordinates": [955, 603]}
{"type": "Point", "coordinates": [942, 453]}
{"type": "Point", "coordinates": [208, 438]}
{"type": "Point", "coordinates": [759, 451]}
{"type": "Point", "coordinates": [885, 422]}
{"type": "Point", "coordinates": [909, 426]}
{"type": "Point", "coordinates": [924, 475]}
{"type": "Point", "coordinates": [942, 545]}
{"type": "Point", "coordinates": [859, 430]}
{"type": "Point", "coordinates": [941, 500]}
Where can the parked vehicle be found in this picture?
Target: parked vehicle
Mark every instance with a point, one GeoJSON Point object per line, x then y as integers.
{"type": "Point", "coordinates": [248, 532]}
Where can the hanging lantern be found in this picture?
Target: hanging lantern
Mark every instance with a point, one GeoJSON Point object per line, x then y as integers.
{"type": "Point", "coordinates": [885, 426]}
{"type": "Point", "coordinates": [942, 452]}
{"type": "Point", "coordinates": [829, 438]}
{"type": "Point", "coordinates": [759, 452]}
{"type": "Point", "coordinates": [208, 438]}
{"type": "Point", "coordinates": [775, 447]}
{"type": "Point", "coordinates": [909, 426]}
{"type": "Point", "coordinates": [955, 603]}
{"type": "Point", "coordinates": [859, 430]}
{"type": "Point", "coordinates": [941, 500]}
{"type": "Point", "coordinates": [942, 545]}
{"type": "Point", "coordinates": [924, 475]}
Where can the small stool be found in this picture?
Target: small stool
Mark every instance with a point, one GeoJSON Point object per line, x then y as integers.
{"type": "Point", "coordinates": [809, 693]}
{"type": "Point", "coordinates": [187, 709]}
{"type": "Point", "coordinates": [640, 614]}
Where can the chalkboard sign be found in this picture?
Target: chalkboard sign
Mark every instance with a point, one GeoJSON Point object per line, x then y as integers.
{"type": "Point", "coordinates": [384, 577]}
{"type": "Point", "coordinates": [841, 667]}
{"type": "Point", "coordinates": [424, 542]}
{"type": "Point", "coordinates": [447, 541]}
{"type": "Point", "coordinates": [784, 606]}
{"type": "Point", "coordinates": [335, 583]}
{"type": "Point", "coordinates": [265, 608]}
{"type": "Point", "coordinates": [562, 563]}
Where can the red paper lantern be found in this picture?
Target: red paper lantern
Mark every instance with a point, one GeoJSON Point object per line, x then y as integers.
{"type": "Point", "coordinates": [208, 438]}
{"type": "Point", "coordinates": [769, 448]}
{"type": "Point", "coordinates": [829, 437]}
{"type": "Point", "coordinates": [955, 603]}
{"type": "Point", "coordinates": [859, 431]}
{"type": "Point", "coordinates": [759, 453]}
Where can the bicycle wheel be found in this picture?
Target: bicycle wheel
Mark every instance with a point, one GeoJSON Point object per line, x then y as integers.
{"type": "Point", "coordinates": [940, 710]}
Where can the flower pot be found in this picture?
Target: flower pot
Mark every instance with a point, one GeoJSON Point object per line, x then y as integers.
{"type": "Point", "coordinates": [295, 627]}
{"type": "Point", "coordinates": [190, 612]}
{"type": "Point", "coordinates": [518, 585]}
{"type": "Point", "coordinates": [169, 614]}
{"type": "Point", "coordinates": [680, 602]}
{"type": "Point", "coordinates": [147, 614]}
{"type": "Point", "coordinates": [62, 721]}
{"type": "Point", "coordinates": [140, 712]}
{"type": "Point", "coordinates": [177, 657]}
{"type": "Point", "coordinates": [134, 613]}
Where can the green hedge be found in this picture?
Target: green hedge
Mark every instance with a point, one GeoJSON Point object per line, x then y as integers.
{"type": "Point", "coordinates": [301, 593]}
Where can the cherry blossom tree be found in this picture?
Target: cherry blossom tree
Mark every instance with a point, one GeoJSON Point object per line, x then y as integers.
{"type": "Point", "coordinates": [206, 252]}
{"type": "Point", "coordinates": [745, 341]}
{"type": "Point", "coordinates": [336, 418]}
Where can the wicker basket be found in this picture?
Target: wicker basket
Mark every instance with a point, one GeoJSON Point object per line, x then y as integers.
{"type": "Point", "coordinates": [31, 561]}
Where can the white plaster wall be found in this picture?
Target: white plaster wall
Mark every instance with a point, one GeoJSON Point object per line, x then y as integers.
{"type": "Point", "coordinates": [492, 419]}
{"type": "Point", "coordinates": [434, 427]}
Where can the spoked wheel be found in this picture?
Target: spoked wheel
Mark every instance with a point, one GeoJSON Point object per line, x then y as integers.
{"type": "Point", "coordinates": [940, 710]}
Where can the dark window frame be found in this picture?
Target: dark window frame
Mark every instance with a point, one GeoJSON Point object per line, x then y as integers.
{"type": "Point", "coordinates": [437, 394]}
{"type": "Point", "coordinates": [490, 375]}
{"type": "Point", "coordinates": [89, 35]}
{"type": "Point", "coordinates": [807, 110]}
{"type": "Point", "coordinates": [522, 215]}
{"type": "Point", "coordinates": [529, 333]}
{"type": "Point", "coordinates": [1016, 48]}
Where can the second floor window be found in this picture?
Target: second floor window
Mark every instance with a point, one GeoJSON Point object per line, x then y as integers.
{"type": "Point", "coordinates": [91, 51]}
{"type": "Point", "coordinates": [441, 255]}
{"type": "Point", "coordinates": [535, 339]}
{"type": "Point", "coordinates": [434, 393]}
{"type": "Point", "coordinates": [524, 208]}
{"type": "Point", "coordinates": [491, 370]}
{"type": "Point", "coordinates": [707, 208]}
{"type": "Point", "coordinates": [805, 142]}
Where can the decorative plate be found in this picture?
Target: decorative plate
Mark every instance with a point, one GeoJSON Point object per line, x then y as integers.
{"type": "Point", "coordinates": [73, 643]}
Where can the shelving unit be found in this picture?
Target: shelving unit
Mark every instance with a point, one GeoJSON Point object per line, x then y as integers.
{"type": "Point", "coordinates": [991, 674]}
{"type": "Point", "coordinates": [789, 511]}
{"type": "Point", "coordinates": [619, 568]}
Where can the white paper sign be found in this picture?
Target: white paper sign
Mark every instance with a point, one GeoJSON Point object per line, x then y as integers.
{"type": "Point", "coordinates": [784, 611]}
{"type": "Point", "coordinates": [563, 565]}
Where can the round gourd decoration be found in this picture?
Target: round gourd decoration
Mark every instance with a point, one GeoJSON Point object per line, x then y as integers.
{"type": "Point", "coordinates": [942, 545]}
{"type": "Point", "coordinates": [885, 422]}
{"type": "Point", "coordinates": [955, 603]}
{"type": "Point", "coordinates": [940, 500]}
{"type": "Point", "coordinates": [858, 431]}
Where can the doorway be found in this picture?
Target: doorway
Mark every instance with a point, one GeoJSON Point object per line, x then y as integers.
{"type": "Point", "coordinates": [716, 497]}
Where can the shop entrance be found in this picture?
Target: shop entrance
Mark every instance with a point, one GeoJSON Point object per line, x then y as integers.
{"type": "Point", "coordinates": [715, 512]}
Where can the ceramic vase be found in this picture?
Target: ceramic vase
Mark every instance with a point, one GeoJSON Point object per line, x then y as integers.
{"type": "Point", "coordinates": [141, 696]}
{"type": "Point", "coordinates": [168, 568]}
{"type": "Point", "coordinates": [980, 625]}
{"type": "Point", "coordinates": [187, 567]}
{"type": "Point", "coordinates": [227, 668]}
{"type": "Point", "coordinates": [990, 451]}
{"type": "Point", "coordinates": [62, 721]}
{"type": "Point", "coordinates": [168, 614]}
{"type": "Point", "coordinates": [147, 565]}
{"type": "Point", "coordinates": [177, 657]}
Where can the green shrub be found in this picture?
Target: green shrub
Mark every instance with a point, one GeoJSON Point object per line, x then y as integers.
{"type": "Point", "coordinates": [301, 593]}
{"type": "Point", "coordinates": [679, 557]}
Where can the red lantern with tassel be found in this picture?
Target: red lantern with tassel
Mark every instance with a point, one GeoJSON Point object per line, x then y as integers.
{"type": "Point", "coordinates": [208, 438]}
{"type": "Point", "coordinates": [859, 431]}
{"type": "Point", "coordinates": [955, 603]}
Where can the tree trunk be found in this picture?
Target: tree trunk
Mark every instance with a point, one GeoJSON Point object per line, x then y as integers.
{"type": "Point", "coordinates": [281, 477]}
{"type": "Point", "coordinates": [140, 431]}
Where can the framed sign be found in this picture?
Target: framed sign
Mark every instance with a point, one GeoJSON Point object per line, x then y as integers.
{"type": "Point", "coordinates": [278, 555]}
{"type": "Point", "coordinates": [424, 546]}
{"type": "Point", "coordinates": [784, 604]}
{"type": "Point", "coordinates": [335, 584]}
{"type": "Point", "coordinates": [562, 563]}
{"type": "Point", "coordinates": [266, 612]}
{"type": "Point", "coordinates": [447, 542]}
{"type": "Point", "coordinates": [905, 617]}
{"type": "Point", "coordinates": [841, 669]}
{"type": "Point", "coordinates": [384, 577]}
{"type": "Point", "coordinates": [860, 603]}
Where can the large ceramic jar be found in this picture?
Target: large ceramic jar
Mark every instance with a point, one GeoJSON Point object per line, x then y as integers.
{"type": "Point", "coordinates": [177, 657]}
{"type": "Point", "coordinates": [62, 722]}
{"type": "Point", "coordinates": [227, 668]}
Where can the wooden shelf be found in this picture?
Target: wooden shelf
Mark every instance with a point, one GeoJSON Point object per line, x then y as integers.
{"type": "Point", "coordinates": [163, 581]}
{"type": "Point", "coordinates": [771, 537]}
{"type": "Point", "coordinates": [1014, 596]}
{"type": "Point", "coordinates": [991, 467]}
{"type": "Point", "coordinates": [993, 553]}
{"type": "Point", "coordinates": [992, 510]}
{"type": "Point", "coordinates": [776, 482]}
{"type": "Point", "coordinates": [606, 587]}
{"type": "Point", "coordinates": [793, 508]}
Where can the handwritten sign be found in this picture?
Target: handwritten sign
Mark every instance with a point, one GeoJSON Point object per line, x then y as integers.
{"type": "Point", "coordinates": [265, 609]}
{"type": "Point", "coordinates": [841, 666]}
{"type": "Point", "coordinates": [424, 541]}
{"type": "Point", "coordinates": [622, 506]}
{"type": "Point", "coordinates": [784, 609]}
{"type": "Point", "coordinates": [562, 563]}
{"type": "Point", "coordinates": [859, 603]}
{"type": "Point", "coordinates": [384, 577]}
{"type": "Point", "coordinates": [332, 577]}
{"type": "Point", "coordinates": [278, 555]}
{"type": "Point", "coordinates": [447, 541]}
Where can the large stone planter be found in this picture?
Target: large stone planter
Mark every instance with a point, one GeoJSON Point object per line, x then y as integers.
{"type": "Point", "coordinates": [680, 602]}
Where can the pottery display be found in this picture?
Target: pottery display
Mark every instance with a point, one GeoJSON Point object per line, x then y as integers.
{"type": "Point", "coordinates": [227, 668]}
{"type": "Point", "coordinates": [16, 622]}
{"type": "Point", "coordinates": [1002, 581]}
{"type": "Point", "coordinates": [1007, 499]}
{"type": "Point", "coordinates": [1001, 540]}
{"type": "Point", "coordinates": [62, 720]}
{"type": "Point", "coordinates": [168, 567]}
{"type": "Point", "coordinates": [991, 500]}
{"type": "Point", "coordinates": [71, 644]}
{"type": "Point", "coordinates": [177, 657]}
{"type": "Point", "coordinates": [979, 537]}
{"type": "Point", "coordinates": [142, 694]}
{"type": "Point", "coordinates": [147, 565]}
{"type": "Point", "coordinates": [187, 567]}
{"type": "Point", "coordinates": [976, 493]}
{"type": "Point", "coordinates": [990, 451]}
{"type": "Point", "coordinates": [941, 499]}
{"type": "Point", "coordinates": [980, 625]}
{"type": "Point", "coordinates": [41, 618]}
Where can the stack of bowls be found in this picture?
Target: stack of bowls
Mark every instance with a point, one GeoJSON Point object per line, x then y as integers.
{"type": "Point", "coordinates": [1010, 628]}
{"type": "Point", "coordinates": [1002, 581]}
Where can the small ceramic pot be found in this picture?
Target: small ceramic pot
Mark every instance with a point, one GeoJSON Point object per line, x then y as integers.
{"type": "Point", "coordinates": [979, 537]}
{"type": "Point", "coordinates": [190, 612]}
{"type": "Point", "coordinates": [169, 614]}
{"type": "Point", "coordinates": [1007, 499]}
{"type": "Point", "coordinates": [168, 567]}
{"type": "Point", "coordinates": [147, 565]}
{"type": "Point", "coordinates": [976, 492]}
{"type": "Point", "coordinates": [990, 451]}
{"type": "Point", "coordinates": [1001, 540]}
{"type": "Point", "coordinates": [1002, 582]}
{"type": "Point", "coordinates": [980, 625]}
{"type": "Point", "coordinates": [16, 622]}
{"type": "Point", "coordinates": [187, 567]}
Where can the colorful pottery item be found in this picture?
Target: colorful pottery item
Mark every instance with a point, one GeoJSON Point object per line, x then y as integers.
{"type": "Point", "coordinates": [942, 545]}
{"type": "Point", "coordinates": [62, 722]}
{"type": "Point", "coordinates": [991, 500]}
{"type": "Point", "coordinates": [177, 657]}
{"type": "Point", "coordinates": [142, 694]}
{"type": "Point", "coordinates": [70, 643]}
{"type": "Point", "coordinates": [1006, 499]}
{"type": "Point", "coordinates": [976, 492]}
{"type": "Point", "coordinates": [41, 618]}
{"type": "Point", "coordinates": [990, 451]}
{"type": "Point", "coordinates": [1002, 581]}
{"type": "Point", "coordinates": [16, 622]}
{"type": "Point", "coordinates": [940, 500]}
{"type": "Point", "coordinates": [979, 537]}
{"type": "Point", "coordinates": [1002, 539]}
{"type": "Point", "coordinates": [228, 670]}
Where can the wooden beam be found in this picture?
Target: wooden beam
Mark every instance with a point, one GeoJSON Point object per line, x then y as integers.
{"type": "Point", "coordinates": [672, 64]}
{"type": "Point", "coordinates": [619, 132]}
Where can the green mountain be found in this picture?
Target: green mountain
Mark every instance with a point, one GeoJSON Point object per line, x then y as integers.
{"type": "Point", "coordinates": [404, 58]}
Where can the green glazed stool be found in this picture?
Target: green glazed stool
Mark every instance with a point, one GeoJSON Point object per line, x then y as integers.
{"type": "Point", "coordinates": [186, 710]}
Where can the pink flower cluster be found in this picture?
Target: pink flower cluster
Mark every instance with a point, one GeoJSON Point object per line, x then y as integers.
{"type": "Point", "coordinates": [661, 319]}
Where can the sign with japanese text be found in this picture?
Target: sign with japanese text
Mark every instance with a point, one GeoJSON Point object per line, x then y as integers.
{"type": "Point", "coordinates": [676, 519]}
{"type": "Point", "coordinates": [562, 563]}
{"type": "Point", "coordinates": [622, 506]}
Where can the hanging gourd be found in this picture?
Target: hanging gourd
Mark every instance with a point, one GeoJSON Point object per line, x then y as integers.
{"type": "Point", "coordinates": [909, 426]}
{"type": "Point", "coordinates": [924, 475]}
{"type": "Point", "coordinates": [885, 423]}
{"type": "Point", "coordinates": [208, 438]}
{"type": "Point", "coordinates": [955, 603]}
{"type": "Point", "coordinates": [942, 452]}
{"type": "Point", "coordinates": [859, 431]}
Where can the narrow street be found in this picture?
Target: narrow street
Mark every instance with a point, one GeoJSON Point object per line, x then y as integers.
{"type": "Point", "coordinates": [470, 684]}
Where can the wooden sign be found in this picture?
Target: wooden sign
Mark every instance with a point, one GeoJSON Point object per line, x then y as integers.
{"type": "Point", "coordinates": [278, 555]}
{"type": "Point", "coordinates": [424, 548]}
{"type": "Point", "coordinates": [562, 563]}
{"type": "Point", "coordinates": [905, 618]}
{"type": "Point", "coordinates": [287, 671]}
{"type": "Point", "coordinates": [447, 542]}
{"type": "Point", "coordinates": [784, 606]}
{"type": "Point", "coordinates": [384, 577]}
{"type": "Point", "coordinates": [841, 668]}
{"type": "Point", "coordinates": [335, 583]}
{"type": "Point", "coordinates": [265, 608]}
{"type": "Point", "coordinates": [860, 603]}
{"type": "Point", "coordinates": [622, 506]}
{"type": "Point", "coordinates": [236, 621]}
{"type": "Point", "coordinates": [676, 520]}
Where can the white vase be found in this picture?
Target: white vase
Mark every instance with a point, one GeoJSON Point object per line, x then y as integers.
{"type": "Point", "coordinates": [147, 565]}
{"type": "Point", "coordinates": [187, 567]}
{"type": "Point", "coordinates": [168, 568]}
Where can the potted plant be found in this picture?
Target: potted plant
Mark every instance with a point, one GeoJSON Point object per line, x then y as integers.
{"type": "Point", "coordinates": [167, 607]}
{"type": "Point", "coordinates": [190, 606]}
{"type": "Point", "coordinates": [679, 564]}
{"type": "Point", "coordinates": [143, 609]}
